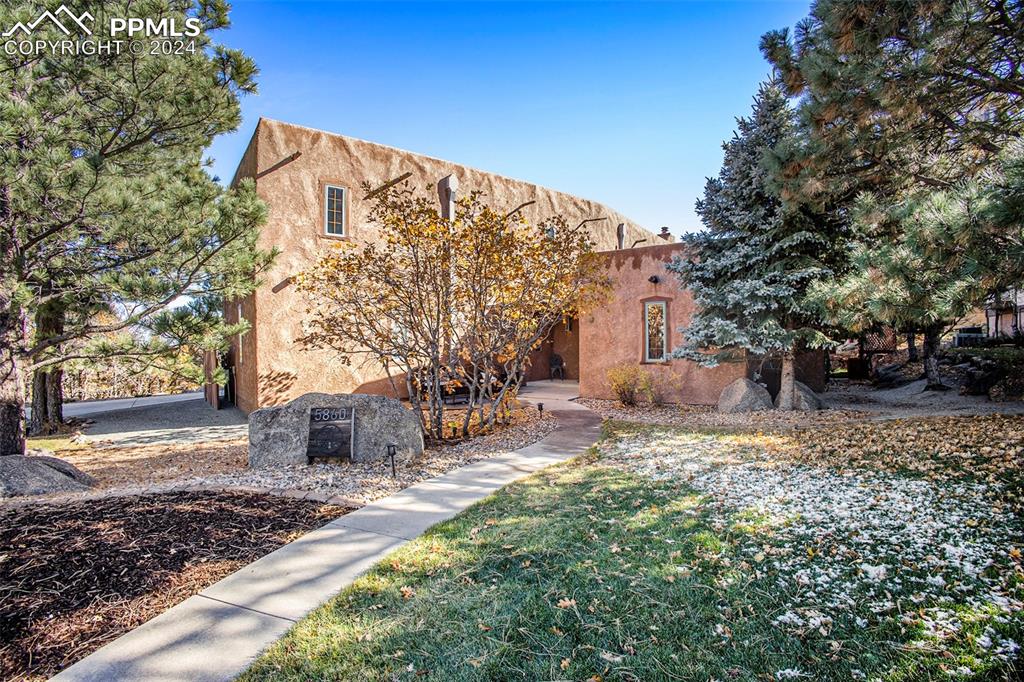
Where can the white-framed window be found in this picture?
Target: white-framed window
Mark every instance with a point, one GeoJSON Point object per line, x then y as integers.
{"type": "Point", "coordinates": [240, 336]}
{"type": "Point", "coordinates": [335, 213]}
{"type": "Point", "coordinates": [655, 331]}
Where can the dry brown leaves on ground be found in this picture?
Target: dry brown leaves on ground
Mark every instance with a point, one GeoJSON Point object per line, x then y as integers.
{"type": "Point", "coordinates": [75, 576]}
{"type": "Point", "coordinates": [699, 416]}
{"type": "Point", "coordinates": [151, 464]}
{"type": "Point", "coordinates": [526, 426]}
{"type": "Point", "coordinates": [989, 447]}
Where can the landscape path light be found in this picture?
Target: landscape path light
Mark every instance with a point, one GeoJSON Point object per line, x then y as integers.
{"type": "Point", "coordinates": [391, 453]}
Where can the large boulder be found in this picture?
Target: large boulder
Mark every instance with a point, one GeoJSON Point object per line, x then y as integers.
{"type": "Point", "coordinates": [744, 395]}
{"type": "Point", "coordinates": [34, 475]}
{"type": "Point", "coordinates": [804, 399]}
{"type": "Point", "coordinates": [279, 436]}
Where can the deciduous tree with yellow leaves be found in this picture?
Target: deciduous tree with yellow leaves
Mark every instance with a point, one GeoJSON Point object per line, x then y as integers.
{"type": "Point", "coordinates": [445, 303]}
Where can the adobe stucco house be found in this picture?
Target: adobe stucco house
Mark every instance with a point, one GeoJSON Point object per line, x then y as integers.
{"type": "Point", "coordinates": [310, 181]}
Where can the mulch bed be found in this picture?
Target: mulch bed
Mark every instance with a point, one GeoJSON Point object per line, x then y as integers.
{"type": "Point", "coordinates": [76, 576]}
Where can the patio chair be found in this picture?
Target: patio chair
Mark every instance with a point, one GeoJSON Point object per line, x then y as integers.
{"type": "Point", "coordinates": [557, 366]}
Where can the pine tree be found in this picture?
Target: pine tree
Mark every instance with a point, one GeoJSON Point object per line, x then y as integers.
{"type": "Point", "coordinates": [901, 95]}
{"type": "Point", "coordinates": [909, 109]}
{"type": "Point", "coordinates": [954, 248]}
{"type": "Point", "coordinates": [749, 270]}
{"type": "Point", "coordinates": [105, 205]}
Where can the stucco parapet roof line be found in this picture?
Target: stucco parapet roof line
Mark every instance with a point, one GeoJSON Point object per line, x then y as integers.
{"type": "Point", "coordinates": [274, 121]}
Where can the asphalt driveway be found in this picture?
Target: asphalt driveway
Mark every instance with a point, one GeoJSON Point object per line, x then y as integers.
{"type": "Point", "coordinates": [176, 421]}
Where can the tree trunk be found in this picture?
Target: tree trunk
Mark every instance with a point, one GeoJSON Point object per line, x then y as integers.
{"type": "Point", "coordinates": [47, 394]}
{"type": "Point", "coordinates": [413, 387]}
{"type": "Point", "coordinates": [932, 335]}
{"type": "Point", "coordinates": [55, 397]}
{"type": "Point", "coordinates": [471, 399]}
{"type": "Point", "coordinates": [40, 413]}
{"type": "Point", "coordinates": [47, 402]}
{"type": "Point", "coordinates": [787, 382]}
{"type": "Point", "coordinates": [12, 404]}
{"type": "Point", "coordinates": [12, 393]}
{"type": "Point", "coordinates": [12, 330]}
{"type": "Point", "coordinates": [912, 355]}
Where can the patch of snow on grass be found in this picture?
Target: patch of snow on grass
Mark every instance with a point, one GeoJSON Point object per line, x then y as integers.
{"type": "Point", "coordinates": [861, 549]}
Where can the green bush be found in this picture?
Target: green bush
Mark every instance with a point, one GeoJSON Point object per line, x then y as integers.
{"type": "Point", "coordinates": [1007, 358]}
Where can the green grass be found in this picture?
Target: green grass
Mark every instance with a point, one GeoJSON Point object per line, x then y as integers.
{"type": "Point", "coordinates": [585, 572]}
{"type": "Point", "coordinates": [56, 443]}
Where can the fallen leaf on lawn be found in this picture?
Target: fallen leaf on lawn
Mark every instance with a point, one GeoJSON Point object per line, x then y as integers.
{"type": "Point", "coordinates": [407, 592]}
{"type": "Point", "coordinates": [564, 665]}
{"type": "Point", "coordinates": [566, 603]}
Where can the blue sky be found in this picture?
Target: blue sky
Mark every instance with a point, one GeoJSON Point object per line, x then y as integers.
{"type": "Point", "coordinates": [623, 103]}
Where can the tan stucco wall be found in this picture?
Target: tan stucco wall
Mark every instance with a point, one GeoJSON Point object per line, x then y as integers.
{"type": "Point", "coordinates": [613, 333]}
{"type": "Point", "coordinates": [292, 188]}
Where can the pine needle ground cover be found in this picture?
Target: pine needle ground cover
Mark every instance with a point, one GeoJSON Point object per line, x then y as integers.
{"type": "Point", "coordinates": [77, 575]}
{"type": "Point", "coordinates": [671, 554]}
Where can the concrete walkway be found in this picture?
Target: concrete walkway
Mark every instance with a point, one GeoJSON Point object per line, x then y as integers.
{"type": "Point", "coordinates": [216, 634]}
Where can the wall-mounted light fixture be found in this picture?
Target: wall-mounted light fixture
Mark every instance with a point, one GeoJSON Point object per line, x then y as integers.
{"type": "Point", "coordinates": [653, 279]}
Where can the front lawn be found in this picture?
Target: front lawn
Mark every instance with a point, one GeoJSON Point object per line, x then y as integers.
{"type": "Point", "coordinates": [673, 554]}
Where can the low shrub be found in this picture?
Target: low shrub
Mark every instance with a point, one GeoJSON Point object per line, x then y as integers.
{"type": "Point", "coordinates": [631, 384]}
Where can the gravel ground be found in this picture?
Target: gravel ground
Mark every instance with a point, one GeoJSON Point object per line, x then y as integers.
{"type": "Point", "coordinates": [709, 416]}
{"type": "Point", "coordinates": [164, 468]}
{"type": "Point", "coordinates": [911, 400]}
{"type": "Point", "coordinates": [844, 402]}
{"type": "Point", "coordinates": [364, 482]}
